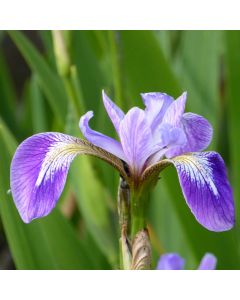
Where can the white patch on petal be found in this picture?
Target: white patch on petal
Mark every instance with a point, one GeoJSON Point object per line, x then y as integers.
{"type": "Point", "coordinates": [199, 170]}
{"type": "Point", "coordinates": [59, 156]}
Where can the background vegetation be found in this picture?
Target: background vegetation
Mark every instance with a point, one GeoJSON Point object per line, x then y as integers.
{"type": "Point", "coordinates": [42, 89]}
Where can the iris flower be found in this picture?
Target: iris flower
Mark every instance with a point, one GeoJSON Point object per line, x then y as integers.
{"type": "Point", "coordinates": [150, 139]}
{"type": "Point", "coordinates": [172, 261]}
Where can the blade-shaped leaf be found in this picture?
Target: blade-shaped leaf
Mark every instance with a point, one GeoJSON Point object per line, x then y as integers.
{"type": "Point", "coordinates": [49, 81]}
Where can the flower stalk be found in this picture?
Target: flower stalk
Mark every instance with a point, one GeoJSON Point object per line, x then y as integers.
{"type": "Point", "coordinates": [135, 246]}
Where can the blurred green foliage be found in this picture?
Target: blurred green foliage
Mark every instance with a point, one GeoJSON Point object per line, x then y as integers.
{"type": "Point", "coordinates": [82, 232]}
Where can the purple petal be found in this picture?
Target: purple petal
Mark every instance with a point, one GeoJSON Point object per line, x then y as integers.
{"type": "Point", "coordinates": [136, 138]}
{"type": "Point", "coordinates": [175, 111]}
{"type": "Point", "coordinates": [38, 172]}
{"type": "Point", "coordinates": [198, 133]}
{"type": "Point", "coordinates": [114, 112]}
{"type": "Point", "coordinates": [169, 137]}
{"type": "Point", "coordinates": [208, 262]}
{"type": "Point", "coordinates": [99, 139]}
{"type": "Point", "coordinates": [170, 261]}
{"type": "Point", "coordinates": [205, 186]}
{"type": "Point", "coordinates": [156, 106]}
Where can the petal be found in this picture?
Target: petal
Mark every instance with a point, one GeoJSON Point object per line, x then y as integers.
{"type": "Point", "coordinates": [39, 169]}
{"type": "Point", "coordinates": [206, 189]}
{"type": "Point", "coordinates": [170, 261]}
{"type": "Point", "coordinates": [198, 133]}
{"type": "Point", "coordinates": [169, 138]}
{"type": "Point", "coordinates": [208, 262]}
{"type": "Point", "coordinates": [175, 111]}
{"type": "Point", "coordinates": [38, 173]}
{"type": "Point", "coordinates": [114, 112]}
{"type": "Point", "coordinates": [99, 139]}
{"type": "Point", "coordinates": [136, 138]}
{"type": "Point", "coordinates": [156, 106]}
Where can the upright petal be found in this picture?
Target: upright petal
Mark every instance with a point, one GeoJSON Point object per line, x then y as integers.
{"type": "Point", "coordinates": [99, 139]}
{"type": "Point", "coordinates": [208, 262]}
{"type": "Point", "coordinates": [168, 139]}
{"type": "Point", "coordinates": [170, 261]}
{"type": "Point", "coordinates": [198, 133]}
{"type": "Point", "coordinates": [114, 112]}
{"type": "Point", "coordinates": [156, 106]}
{"type": "Point", "coordinates": [38, 172]}
{"type": "Point", "coordinates": [136, 138]}
{"type": "Point", "coordinates": [175, 111]}
{"type": "Point", "coordinates": [206, 189]}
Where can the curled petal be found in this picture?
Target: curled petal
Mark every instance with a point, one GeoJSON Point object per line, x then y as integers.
{"type": "Point", "coordinates": [198, 133]}
{"type": "Point", "coordinates": [208, 262]}
{"type": "Point", "coordinates": [39, 169]}
{"type": "Point", "coordinates": [170, 261]}
{"type": "Point", "coordinates": [114, 112]}
{"type": "Point", "coordinates": [156, 106]}
{"type": "Point", "coordinates": [136, 138]}
{"type": "Point", "coordinates": [206, 189]}
{"type": "Point", "coordinates": [175, 111]}
{"type": "Point", "coordinates": [205, 186]}
{"type": "Point", "coordinates": [99, 139]}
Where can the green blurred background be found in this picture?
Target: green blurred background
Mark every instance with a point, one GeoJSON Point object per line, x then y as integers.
{"type": "Point", "coordinates": [47, 83]}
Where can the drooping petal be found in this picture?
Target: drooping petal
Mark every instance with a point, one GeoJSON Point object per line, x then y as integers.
{"type": "Point", "coordinates": [99, 139]}
{"type": "Point", "coordinates": [175, 111]}
{"type": "Point", "coordinates": [38, 173]}
{"type": "Point", "coordinates": [206, 189]}
{"type": "Point", "coordinates": [170, 261]}
{"type": "Point", "coordinates": [39, 169]}
{"type": "Point", "coordinates": [156, 106]}
{"type": "Point", "coordinates": [208, 262]}
{"type": "Point", "coordinates": [198, 133]}
{"type": "Point", "coordinates": [136, 138]}
{"type": "Point", "coordinates": [114, 112]}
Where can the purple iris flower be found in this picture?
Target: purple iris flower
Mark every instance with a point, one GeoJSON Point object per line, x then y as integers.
{"type": "Point", "coordinates": [172, 261]}
{"type": "Point", "coordinates": [149, 140]}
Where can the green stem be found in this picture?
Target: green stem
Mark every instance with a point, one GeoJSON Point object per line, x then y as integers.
{"type": "Point", "coordinates": [138, 212]}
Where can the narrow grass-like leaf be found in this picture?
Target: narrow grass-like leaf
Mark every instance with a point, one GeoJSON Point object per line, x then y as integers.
{"type": "Point", "coordinates": [93, 200]}
{"type": "Point", "coordinates": [49, 81]}
{"type": "Point", "coordinates": [233, 109]}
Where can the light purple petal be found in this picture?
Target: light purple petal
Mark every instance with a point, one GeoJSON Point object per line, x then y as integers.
{"type": "Point", "coordinates": [208, 262]}
{"type": "Point", "coordinates": [114, 112]}
{"type": "Point", "coordinates": [136, 138]}
{"type": "Point", "coordinates": [38, 172]}
{"type": "Point", "coordinates": [205, 186]}
{"type": "Point", "coordinates": [175, 111]}
{"type": "Point", "coordinates": [198, 133]}
{"type": "Point", "coordinates": [156, 106]}
{"type": "Point", "coordinates": [99, 139]}
{"type": "Point", "coordinates": [169, 138]}
{"type": "Point", "coordinates": [170, 261]}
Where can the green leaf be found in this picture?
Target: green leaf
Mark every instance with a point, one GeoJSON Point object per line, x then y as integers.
{"type": "Point", "coordinates": [93, 199]}
{"type": "Point", "coordinates": [48, 80]}
{"type": "Point", "coordinates": [7, 95]}
{"type": "Point", "coordinates": [198, 66]}
{"type": "Point", "coordinates": [233, 108]}
{"type": "Point", "coordinates": [146, 69]}
{"type": "Point", "coordinates": [38, 107]}
{"type": "Point", "coordinates": [48, 243]}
